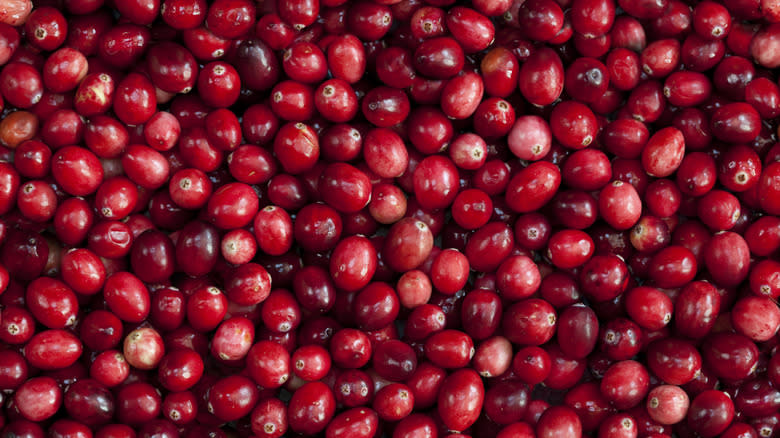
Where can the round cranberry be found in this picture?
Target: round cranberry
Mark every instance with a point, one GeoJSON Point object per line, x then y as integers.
{"type": "Point", "coordinates": [38, 398]}
{"type": "Point", "coordinates": [311, 408]}
{"type": "Point", "coordinates": [710, 413]}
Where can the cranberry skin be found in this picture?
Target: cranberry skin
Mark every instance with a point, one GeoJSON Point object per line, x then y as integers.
{"type": "Point", "coordinates": [623, 68]}
{"type": "Point", "coordinates": [273, 230]}
{"type": "Point", "coordinates": [127, 297]}
{"type": "Point", "coordinates": [592, 18]}
{"type": "Point", "coordinates": [696, 309]}
{"type": "Point", "coordinates": [769, 189]}
{"type": "Point", "coordinates": [145, 166]}
{"type": "Point", "coordinates": [385, 106]}
{"type": "Point", "coordinates": [257, 65]}
{"type": "Point", "coordinates": [533, 186]}
{"type": "Point", "coordinates": [17, 326]}
{"type": "Point", "coordinates": [375, 306]}
{"type": "Point", "coordinates": [541, 20]}
{"type": "Point", "coordinates": [449, 349]}
{"type": "Point", "coordinates": [15, 370]}
{"type": "Point", "coordinates": [138, 403]}
{"type": "Point", "coordinates": [727, 257]}
{"type": "Point", "coordinates": [64, 70]}
{"type": "Point", "coordinates": [95, 94]}
{"type": "Point", "coordinates": [233, 205]}
{"type": "Point", "coordinates": [696, 175]}
{"type": "Point", "coordinates": [667, 404]}
{"type": "Point", "coordinates": [10, 42]}
{"type": "Point", "coordinates": [314, 289]}
{"type": "Point", "coordinates": [530, 138]}
{"type": "Point", "coordinates": [625, 384]}
{"type": "Point", "coordinates": [9, 187]}
{"type": "Point", "coordinates": [344, 187]}
{"type": "Point", "coordinates": [197, 248]}
{"type": "Point", "coordinates": [673, 360]}
{"type": "Point", "coordinates": [347, 58]}
{"type": "Point", "coordinates": [77, 170]}
{"type": "Point", "coordinates": [248, 284]}
{"type": "Point", "coordinates": [462, 95]}
{"type": "Point", "coordinates": [311, 408]}
{"type": "Point", "coordinates": [183, 14]}
{"type": "Point", "coordinates": [739, 168]}
{"type": "Point", "coordinates": [232, 397]}
{"type": "Point", "coordinates": [474, 31]}
{"type": "Point", "coordinates": [171, 67]}
{"type": "Point", "coordinates": [53, 349]}
{"type": "Point", "coordinates": [436, 182]}
{"type": "Point", "coordinates": [586, 169]}
{"type": "Point", "coordinates": [219, 84]}
{"type": "Point", "coordinates": [489, 246]}
{"type": "Point", "coordinates": [352, 263]}
{"type": "Point", "coordinates": [385, 153]}
{"type": "Point", "coordinates": [38, 398]}
{"type": "Point", "coordinates": [577, 331]}
{"type": "Point", "coordinates": [269, 418]}
{"type": "Point", "coordinates": [673, 266]}
{"type": "Point", "coordinates": [570, 248]}
{"type": "Point", "coordinates": [460, 399]}
{"type": "Point", "coordinates": [736, 355]}
{"type": "Point", "coordinates": [52, 303]}
{"type": "Point", "coordinates": [439, 58]}
{"type": "Point", "coordinates": [135, 101]}
{"type": "Point", "coordinates": [355, 422]}
{"type": "Point", "coordinates": [663, 153]}
{"type": "Point", "coordinates": [230, 18]}
{"type": "Point", "coordinates": [736, 123]}
{"type": "Point", "coordinates": [558, 421]}
{"type": "Point", "coordinates": [296, 147]}
{"type": "Point", "coordinates": [541, 77]}
{"type": "Point", "coordinates": [529, 322]}
{"type": "Point", "coordinates": [268, 363]}
{"type": "Point", "coordinates": [21, 85]}
{"type": "Point", "coordinates": [116, 198]}
{"type": "Point", "coordinates": [620, 205]}
{"type": "Point", "coordinates": [336, 101]}
{"type": "Point", "coordinates": [710, 413]}
{"type": "Point", "coordinates": [649, 307]}
{"type": "Point", "coordinates": [757, 398]}
{"type": "Point", "coordinates": [304, 62]}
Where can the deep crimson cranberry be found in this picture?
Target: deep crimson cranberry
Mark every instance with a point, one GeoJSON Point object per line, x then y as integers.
{"type": "Point", "coordinates": [673, 360]}
{"type": "Point", "coordinates": [311, 408]}
{"type": "Point", "coordinates": [345, 187]}
{"type": "Point", "coordinates": [737, 355]}
{"type": "Point", "coordinates": [385, 106]}
{"type": "Point", "coordinates": [695, 309]}
{"type": "Point", "coordinates": [127, 297]}
{"type": "Point", "coordinates": [649, 307]}
{"type": "Point", "coordinates": [183, 14]}
{"type": "Point", "coordinates": [375, 306]}
{"type": "Point", "coordinates": [135, 101]}
{"type": "Point", "coordinates": [219, 84]}
{"type": "Point", "coordinates": [710, 413]}
{"type": "Point", "coordinates": [533, 186]}
{"type": "Point", "coordinates": [347, 58]}
{"type": "Point", "coordinates": [171, 67]}
{"type": "Point", "coordinates": [53, 349]}
{"type": "Point", "coordinates": [138, 403]}
{"type": "Point", "coordinates": [314, 289]}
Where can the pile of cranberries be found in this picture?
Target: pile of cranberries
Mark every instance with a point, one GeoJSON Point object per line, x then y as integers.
{"type": "Point", "coordinates": [389, 218]}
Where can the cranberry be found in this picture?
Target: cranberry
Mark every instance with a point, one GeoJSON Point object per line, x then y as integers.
{"type": "Point", "coordinates": [710, 412]}
{"type": "Point", "coordinates": [311, 408]}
